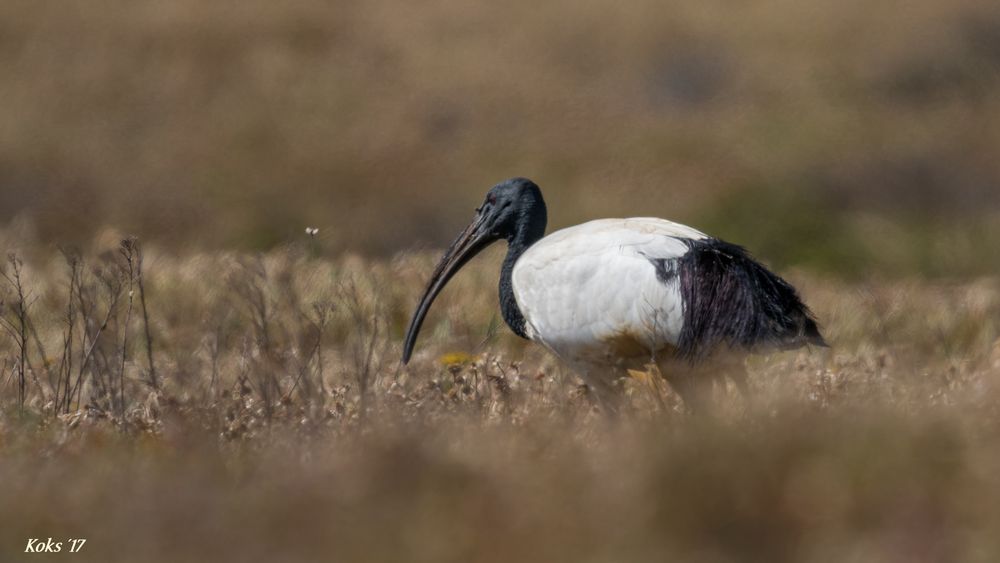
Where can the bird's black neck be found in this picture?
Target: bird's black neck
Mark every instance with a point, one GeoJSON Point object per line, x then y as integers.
{"type": "Point", "coordinates": [529, 229]}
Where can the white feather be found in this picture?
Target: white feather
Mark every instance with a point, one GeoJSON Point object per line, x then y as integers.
{"type": "Point", "coordinates": [590, 293]}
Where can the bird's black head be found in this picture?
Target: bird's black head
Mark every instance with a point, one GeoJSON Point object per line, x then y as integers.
{"type": "Point", "coordinates": [513, 210]}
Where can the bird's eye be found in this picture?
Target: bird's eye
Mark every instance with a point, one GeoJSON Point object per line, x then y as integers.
{"type": "Point", "coordinates": [491, 198]}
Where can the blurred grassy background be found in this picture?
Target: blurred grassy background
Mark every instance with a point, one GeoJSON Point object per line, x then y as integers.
{"type": "Point", "coordinates": [844, 136]}
{"type": "Point", "coordinates": [260, 413]}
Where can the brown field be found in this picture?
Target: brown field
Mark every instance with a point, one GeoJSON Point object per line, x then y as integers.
{"type": "Point", "coordinates": [280, 425]}
{"type": "Point", "coordinates": [226, 388]}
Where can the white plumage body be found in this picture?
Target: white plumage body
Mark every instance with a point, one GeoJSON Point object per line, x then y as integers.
{"type": "Point", "coordinates": [590, 293]}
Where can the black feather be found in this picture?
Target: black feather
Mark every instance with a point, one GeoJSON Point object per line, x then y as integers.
{"type": "Point", "coordinates": [666, 269]}
{"type": "Point", "coordinates": [730, 298]}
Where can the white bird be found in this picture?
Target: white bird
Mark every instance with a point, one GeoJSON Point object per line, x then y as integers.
{"type": "Point", "coordinates": [613, 294]}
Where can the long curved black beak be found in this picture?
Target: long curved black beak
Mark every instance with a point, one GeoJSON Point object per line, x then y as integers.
{"type": "Point", "coordinates": [469, 243]}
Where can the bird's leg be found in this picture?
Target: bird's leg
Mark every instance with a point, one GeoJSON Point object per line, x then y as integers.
{"type": "Point", "coordinates": [738, 375]}
{"type": "Point", "coordinates": [678, 375]}
{"type": "Point", "coordinates": [609, 397]}
{"type": "Point", "coordinates": [732, 365]}
{"type": "Point", "coordinates": [693, 389]}
{"type": "Point", "coordinates": [604, 388]}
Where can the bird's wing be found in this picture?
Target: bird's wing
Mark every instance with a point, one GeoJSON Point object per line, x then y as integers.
{"type": "Point", "coordinates": [604, 288]}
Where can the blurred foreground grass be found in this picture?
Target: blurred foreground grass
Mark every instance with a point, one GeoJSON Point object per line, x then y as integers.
{"type": "Point", "coordinates": [281, 426]}
{"type": "Point", "coordinates": [242, 407]}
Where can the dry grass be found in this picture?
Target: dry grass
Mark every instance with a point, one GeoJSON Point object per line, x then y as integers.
{"type": "Point", "coordinates": [281, 426]}
{"type": "Point", "coordinates": [191, 401]}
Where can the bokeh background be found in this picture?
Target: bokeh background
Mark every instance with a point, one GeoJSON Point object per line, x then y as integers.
{"type": "Point", "coordinates": [226, 388]}
{"type": "Point", "coordinates": [850, 137]}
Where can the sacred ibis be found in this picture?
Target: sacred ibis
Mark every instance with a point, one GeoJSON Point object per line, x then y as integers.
{"type": "Point", "coordinates": [617, 293]}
